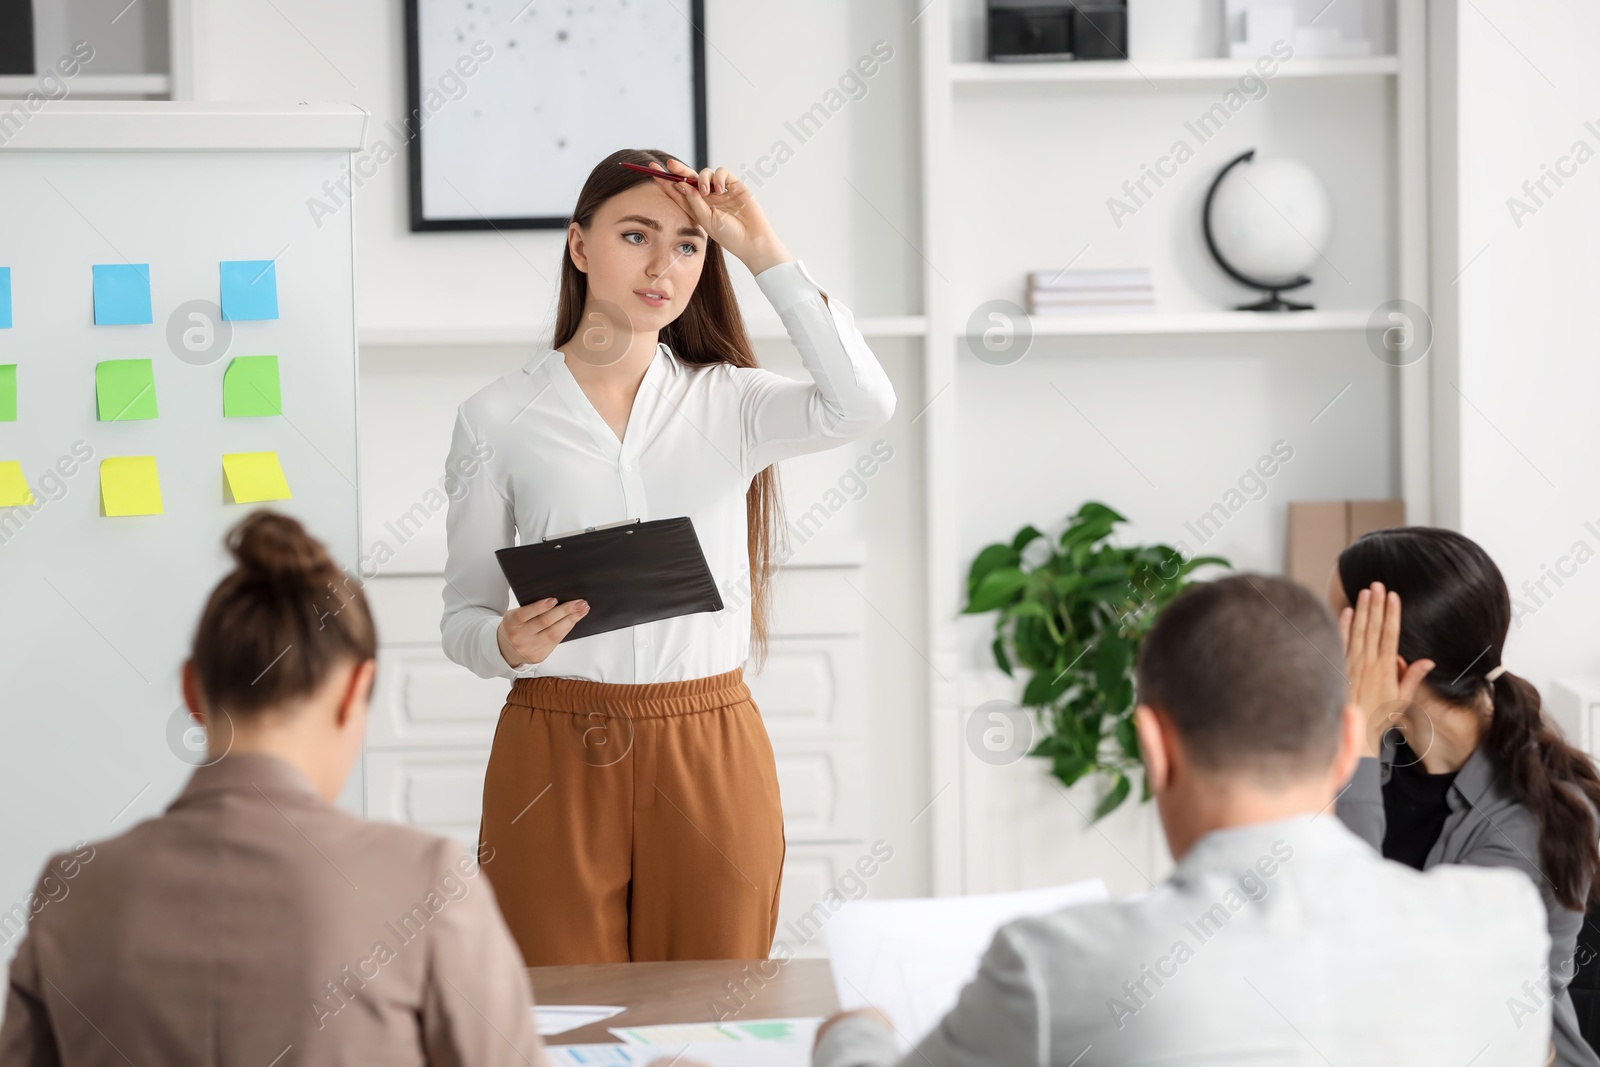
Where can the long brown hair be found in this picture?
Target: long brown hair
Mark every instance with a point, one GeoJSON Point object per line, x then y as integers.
{"type": "Point", "coordinates": [1456, 611]}
{"type": "Point", "coordinates": [275, 627]}
{"type": "Point", "coordinates": [711, 330]}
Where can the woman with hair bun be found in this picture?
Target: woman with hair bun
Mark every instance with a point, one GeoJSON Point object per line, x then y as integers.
{"type": "Point", "coordinates": [1462, 766]}
{"type": "Point", "coordinates": [254, 921]}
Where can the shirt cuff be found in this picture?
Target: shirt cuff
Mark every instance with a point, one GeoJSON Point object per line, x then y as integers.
{"type": "Point", "coordinates": [489, 645]}
{"type": "Point", "coordinates": [854, 1041]}
{"type": "Point", "coordinates": [788, 284]}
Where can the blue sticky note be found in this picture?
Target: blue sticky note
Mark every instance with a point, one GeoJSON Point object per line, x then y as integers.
{"type": "Point", "coordinates": [5, 298]}
{"type": "Point", "coordinates": [121, 294]}
{"type": "Point", "coordinates": [249, 290]}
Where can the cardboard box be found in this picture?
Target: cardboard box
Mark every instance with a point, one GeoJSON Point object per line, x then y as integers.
{"type": "Point", "coordinates": [1320, 529]}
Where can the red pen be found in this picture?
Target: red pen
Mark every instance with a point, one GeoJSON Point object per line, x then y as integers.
{"type": "Point", "coordinates": [663, 174]}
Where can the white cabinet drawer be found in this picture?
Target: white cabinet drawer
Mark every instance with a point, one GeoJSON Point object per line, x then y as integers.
{"type": "Point", "coordinates": [1575, 706]}
{"type": "Point", "coordinates": [423, 700]}
{"type": "Point", "coordinates": [407, 609]}
{"type": "Point", "coordinates": [824, 788]}
{"type": "Point", "coordinates": [439, 791]}
{"type": "Point", "coordinates": [810, 685]}
{"type": "Point", "coordinates": [817, 600]}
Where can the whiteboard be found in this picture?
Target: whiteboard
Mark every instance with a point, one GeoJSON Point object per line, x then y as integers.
{"type": "Point", "coordinates": [99, 612]}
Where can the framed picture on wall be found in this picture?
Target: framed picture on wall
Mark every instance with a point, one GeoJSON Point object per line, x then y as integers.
{"type": "Point", "coordinates": [16, 37]}
{"type": "Point", "coordinates": [511, 103]}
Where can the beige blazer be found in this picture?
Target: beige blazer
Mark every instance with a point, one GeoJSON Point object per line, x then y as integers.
{"type": "Point", "coordinates": [254, 923]}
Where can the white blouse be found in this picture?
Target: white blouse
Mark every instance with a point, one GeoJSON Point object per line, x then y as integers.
{"type": "Point", "coordinates": [695, 439]}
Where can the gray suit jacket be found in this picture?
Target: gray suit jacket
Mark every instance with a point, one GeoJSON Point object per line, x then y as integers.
{"type": "Point", "coordinates": [1282, 943]}
{"type": "Point", "coordinates": [254, 923]}
{"type": "Point", "coordinates": [1486, 827]}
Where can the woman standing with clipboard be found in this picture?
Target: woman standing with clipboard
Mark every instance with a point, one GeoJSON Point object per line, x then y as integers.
{"type": "Point", "coordinates": [630, 806]}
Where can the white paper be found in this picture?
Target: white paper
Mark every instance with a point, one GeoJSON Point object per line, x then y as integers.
{"type": "Point", "coordinates": [910, 958]}
{"type": "Point", "coordinates": [559, 1018]}
{"type": "Point", "coordinates": [794, 1031]}
{"type": "Point", "coordinates": [711, 1053]}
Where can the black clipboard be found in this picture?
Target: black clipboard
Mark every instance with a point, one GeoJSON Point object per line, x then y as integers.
{"type": "Point", "coordinates": [629, 573]}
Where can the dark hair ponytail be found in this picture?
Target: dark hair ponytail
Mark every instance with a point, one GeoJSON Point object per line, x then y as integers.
{"type": "Point", "coordinates": [275, 627]}
{"type": "Point", "coordinates": [1456, 611]}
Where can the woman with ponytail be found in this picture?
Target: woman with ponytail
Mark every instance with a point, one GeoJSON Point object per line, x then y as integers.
{"type": "Point", "coordinates": [1462, 766]}
{"type": "Point", "coordinates": [254, 921]}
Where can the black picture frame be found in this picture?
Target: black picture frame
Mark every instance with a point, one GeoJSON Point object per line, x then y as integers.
{"type": "Point", "coordinates": [416, 147]}
{"type": "Point", "coordinates": [16, 37]}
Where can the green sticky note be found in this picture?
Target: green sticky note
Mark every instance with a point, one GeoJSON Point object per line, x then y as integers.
{"type": "Point", "coordinates": [125, 389]}
{"type": "Point", "coordinates": [8, 392]}
{"type": "Point", "coordinates": [250, 387]}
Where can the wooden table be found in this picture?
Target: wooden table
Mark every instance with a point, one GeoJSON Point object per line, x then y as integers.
{"type": "Point", "coordinates": [685, 991]}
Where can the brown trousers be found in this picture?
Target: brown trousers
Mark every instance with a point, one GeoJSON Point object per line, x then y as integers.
{"type": "Point", "coordinates": [633, 822]}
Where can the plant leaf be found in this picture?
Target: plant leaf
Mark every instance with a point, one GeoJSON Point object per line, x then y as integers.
{"type": "Point", "coordinates": [1111, 660]}
{"type": "Point", "coordinates": [1024, 538]}
{"type": "Point", "coordinates": [991, 557]}
{"type": "Point", "coordinates": [995, 589]}
{"type": "Point", "coordinates": [1110, 802]}
{"type": "Point", "coordinates": [1128, 737]}
{"type": "Point", "coordinates": [1000, 658]}
{"type": "Point", "coordinates": [1071, 768]}
{"type": "Point", "coordinates": [1042, 689]}
{"type": "Point", "coordinates": [1093, 509]}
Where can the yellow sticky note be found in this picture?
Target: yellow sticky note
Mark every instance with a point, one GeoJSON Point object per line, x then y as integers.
{"type": "Point", "coordinates": [254, 476]}
{"type": "Point", "coordinates": [13, 486]}
{"type": "Point", "coordinates": [129, 485]}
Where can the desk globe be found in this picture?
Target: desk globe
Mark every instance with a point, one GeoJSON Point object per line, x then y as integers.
{"type": "Point", "coordinates": [1265, 223]}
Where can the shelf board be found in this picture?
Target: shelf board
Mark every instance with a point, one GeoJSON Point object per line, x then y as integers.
{"type": "Point", "coordinates": [1135, 324]}
{"type": "Point", "coordinates": [870, 326]}
{"type": "Point", "coordinates": [451, 336]}
{"type": "Point", "coordinates": [90, 86]}
{"type": "Point", "coordinates": [1173, 70]}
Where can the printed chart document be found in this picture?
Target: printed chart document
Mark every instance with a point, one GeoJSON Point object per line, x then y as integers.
{"type": "Point", "coordinates": [910, 958]}
{"type": "Point", "coordinates": [710, 1053]}
{"type": "Point", "coordinates": [731, 1043]}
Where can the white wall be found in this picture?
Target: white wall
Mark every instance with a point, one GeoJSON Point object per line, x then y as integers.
{"type": "Point", "coordinates": [846, 203]}
{"type": "Point", "coordinates": [764, 67]}
{"type": "Point", "coordinates": [1517, 380]}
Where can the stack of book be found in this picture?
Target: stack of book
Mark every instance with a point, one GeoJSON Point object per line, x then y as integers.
{"type": "Point", "coordinates": [1090, 292]}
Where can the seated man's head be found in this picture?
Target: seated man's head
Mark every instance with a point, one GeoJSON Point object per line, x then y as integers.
{"type": "Point", "coordinates": [1242, 713]}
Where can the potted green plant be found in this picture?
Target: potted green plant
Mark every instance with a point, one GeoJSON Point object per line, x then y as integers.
{"type": "Point", "coordinates": [1073, 618]}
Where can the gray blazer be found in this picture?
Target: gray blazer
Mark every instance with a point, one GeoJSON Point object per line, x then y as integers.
{"type": "Point", "coordinates": [254, 923]}
{"type": "Point", "coordinates": [1283, 943]}
{"type": "Point", "coordinates": [1486, 827]}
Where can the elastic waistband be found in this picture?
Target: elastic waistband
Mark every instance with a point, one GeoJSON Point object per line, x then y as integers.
{"type": "Point", "coordinates": [621, 700]}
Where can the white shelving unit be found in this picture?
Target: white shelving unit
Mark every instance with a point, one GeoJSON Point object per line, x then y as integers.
{"type": "Point", "coordinates": [142, 51]}
{"type": "Point", "coordinates": [1006, 148]}
{"type": "Point", "coordinates": [963, 75]}
{"type": "Point", "coordinates": [1194, 322]}
{"type": "Point", "coordinates": [94, 86]}
{"type": "Point", "coordinates": [525, 334]}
